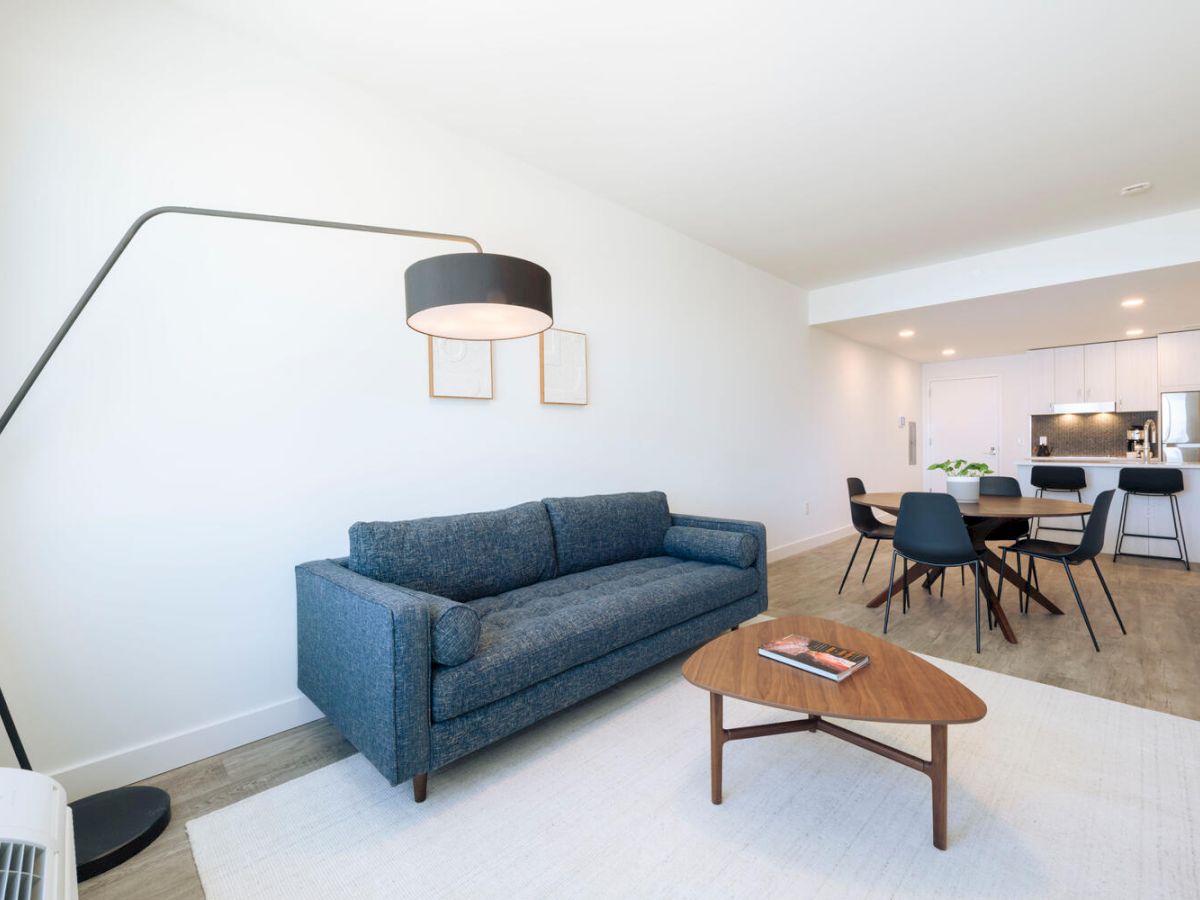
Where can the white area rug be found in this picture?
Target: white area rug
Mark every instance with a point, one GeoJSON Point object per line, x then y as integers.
{"type": "Point", "coordinates": [1053, 794]}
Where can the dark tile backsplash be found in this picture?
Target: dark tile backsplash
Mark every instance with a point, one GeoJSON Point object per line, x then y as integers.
{"type": "Point", "coordinates": [1088, 434]}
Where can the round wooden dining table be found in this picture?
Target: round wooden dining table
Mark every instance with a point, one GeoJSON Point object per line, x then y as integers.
{"type": "Point", "coordinates": [986, 515]}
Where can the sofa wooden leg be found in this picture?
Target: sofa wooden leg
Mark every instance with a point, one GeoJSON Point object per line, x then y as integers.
{"type": "Point", "coordinates": [420, 783]}
{"type": "Point", "coordinates": [735, 628]}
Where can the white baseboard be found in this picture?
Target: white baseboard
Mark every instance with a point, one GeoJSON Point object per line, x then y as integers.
{"type": "Point", "coordinates": [817, 540]}
{"type": "Point", "coordinates": [171, 752]}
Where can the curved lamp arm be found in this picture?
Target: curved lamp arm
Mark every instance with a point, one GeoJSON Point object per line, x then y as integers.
{"type": "Point", "coordinates": [9, 726]}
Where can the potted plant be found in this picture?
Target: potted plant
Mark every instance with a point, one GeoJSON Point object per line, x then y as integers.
{"type": "Point", "coordinates": [962, 478]}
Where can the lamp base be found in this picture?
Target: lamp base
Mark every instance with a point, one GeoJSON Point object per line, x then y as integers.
{"type": "Point", "coordinates": [116, 825]}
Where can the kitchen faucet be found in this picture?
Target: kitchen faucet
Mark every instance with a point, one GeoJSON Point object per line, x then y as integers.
{"type": "Point", "coordinates": [1150, 430]}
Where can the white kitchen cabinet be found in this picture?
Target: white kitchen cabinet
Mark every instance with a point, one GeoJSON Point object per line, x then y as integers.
{"type": "Point", "coordinates": [1137, 375]}
{"type": "Point", "coordinates": [1040, 368]}
{"type": "Point", "coordinates": [1179, 361]}
{"type": "Point", "coordinates": [1069, 374]}
{"type": "Point", "coordinates": [1100, 372]}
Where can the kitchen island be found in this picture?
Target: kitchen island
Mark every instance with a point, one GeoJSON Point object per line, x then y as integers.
{"type": "Point", "coordinates": [1148, 515]}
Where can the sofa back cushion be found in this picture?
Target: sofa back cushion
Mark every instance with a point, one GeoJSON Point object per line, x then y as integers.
{"type": "Point", "coordinates": [458, 557]}
{"type": "Point", "coordinates": [607, 528]}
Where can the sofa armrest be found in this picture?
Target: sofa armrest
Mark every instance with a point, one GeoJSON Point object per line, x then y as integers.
{"type": "Point", "coordinates": [758, 529]}
{"type": "Point", "coordinates": [364, 657]}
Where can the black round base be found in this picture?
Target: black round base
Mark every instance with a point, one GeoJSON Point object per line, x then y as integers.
{"type": "Point", "coordinates": [116, 825]}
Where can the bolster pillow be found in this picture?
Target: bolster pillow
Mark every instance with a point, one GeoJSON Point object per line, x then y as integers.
{"type": "Point", "coordinates": [729, 548]}
{"type": "Point", "coordinates": [455, 628]}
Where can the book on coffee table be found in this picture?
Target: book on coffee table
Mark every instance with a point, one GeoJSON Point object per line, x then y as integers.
{"type": "Point", "coordinates": [818, 657]}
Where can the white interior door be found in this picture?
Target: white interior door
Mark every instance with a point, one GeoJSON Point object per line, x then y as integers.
{"type": "Point", "coordinates": [964, 423]}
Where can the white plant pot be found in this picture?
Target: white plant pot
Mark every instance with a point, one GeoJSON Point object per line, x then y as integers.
{"type": "Point", "coordinates": [963, 488]}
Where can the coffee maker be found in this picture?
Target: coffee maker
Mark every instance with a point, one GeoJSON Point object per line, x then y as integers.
{"type": "Point", "coordinates": [1135, 443]}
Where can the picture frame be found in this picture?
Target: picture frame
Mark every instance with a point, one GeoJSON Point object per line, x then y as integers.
{"type": "Point", "coordinates": [563, 367]}
{"type": "Point", "coordinates": [461, 370]}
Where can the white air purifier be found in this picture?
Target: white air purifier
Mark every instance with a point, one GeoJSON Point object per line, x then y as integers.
{"type": "Point", "coordinates": [37, 838]}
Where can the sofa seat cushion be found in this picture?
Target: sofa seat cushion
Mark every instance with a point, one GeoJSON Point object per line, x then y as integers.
{"type": "Point", "coordinates": [458, 557]}
{"type": "Point", "coordinates": [607, 528]}
{"type": "Point", "coordinates": [533, 633]}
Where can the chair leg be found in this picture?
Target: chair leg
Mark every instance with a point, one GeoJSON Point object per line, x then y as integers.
{"type": "Point", "coordinates": [1003, 568]}
{"type": "Point", "coordinates": [1108, 594]}
{"type": "Point", "coordinates": [942, 590]}
{"type": "Point", "coordinates": [1036, 521]}
{"type": "Point", "coordinates": [1033, 575]}
{"type": "Point", "coordinates": [904, 596]}
{"type": "Point", "coordinates": [869, 561]}
{"type": "Point", "coordinates": [1082, 520]}
{"type": "Point", "coordinates": [1121, 526]}
{"type": "Point", "coordinates": [1079, 600]}
{"type": "Point", "coordinates": [962, 574]}
{"type": "Point", "coordinates": [887, 607]}
{"type": "Point", "coordinates": [1178, 513]}
{"type": "Point", "coordinates": [978, 644]}
{"type": "Point", "coordinates": [850, 564]}
{"type": "Point", "coordinates": [1022, 598]}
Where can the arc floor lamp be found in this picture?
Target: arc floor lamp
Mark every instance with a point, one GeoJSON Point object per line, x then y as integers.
{"type": "Point", "coordinates": [465, 296]}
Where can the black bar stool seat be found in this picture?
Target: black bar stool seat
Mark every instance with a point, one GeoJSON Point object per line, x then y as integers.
{"type": "Point", "coordinates": [1059, 480]}
{"type": "Point", "coordinates": [1153, 481]}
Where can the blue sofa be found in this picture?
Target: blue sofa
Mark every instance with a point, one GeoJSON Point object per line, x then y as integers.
{"type": "Point", "coordinates": [436, 637]}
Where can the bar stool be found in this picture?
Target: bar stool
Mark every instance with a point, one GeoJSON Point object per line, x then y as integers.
{"type": "Point", "coordinates": [1058, 479]}
{"type": "Point", "coordinates": [1147, 481]}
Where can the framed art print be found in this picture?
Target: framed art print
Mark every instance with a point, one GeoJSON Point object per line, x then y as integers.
{"type": "Point", "coordinates": [564, 373]}
{"type": "Point", "coordinates": [460, 369]}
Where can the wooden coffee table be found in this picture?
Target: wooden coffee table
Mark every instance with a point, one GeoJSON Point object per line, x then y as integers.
{"type": "Point", "coordinates": [895, 687]}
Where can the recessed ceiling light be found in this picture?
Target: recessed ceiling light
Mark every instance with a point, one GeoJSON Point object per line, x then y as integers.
{"type": "Point", "coordinates": [907, 332]}
{"type": "Point", "coordinates": [1132, 301]}
{"type": "Point", "coordinates": [1140, 188]}
{"type": "Point", "coordinates": [949, 351]}
{"type": "Point", "coordinates": [1133, 332]}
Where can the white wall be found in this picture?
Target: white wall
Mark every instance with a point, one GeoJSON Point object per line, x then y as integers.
{"type": "Point", "coordinates": [240, 393]}
{"type": "Point", "coordinates": [1014, 406]}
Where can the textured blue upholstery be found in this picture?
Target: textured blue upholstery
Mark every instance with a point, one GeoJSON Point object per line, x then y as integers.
{"type": "Point", "coordinates": [458, 557]}
{"type": "Point", "coordinates": [490, 723]}
{"type": "Point", "coordinates": [364, 660]}
{"type": "Point", "coordinates": [414, 677]}
{"type": "Point", "coordinates": [607, 528]}
{"type": "Point", "coordinates": [726, 548]}
{"type": "Point", "coordinates": [538, 631]}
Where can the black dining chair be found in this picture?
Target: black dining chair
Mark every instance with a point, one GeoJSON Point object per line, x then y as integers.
{"type": "Point", "coordinates": [867, 526]}
{"type": "Point", "coordinates": [1068, 555]}
{"type": "Point", "coordinates": [930, 530]}
{"type": "Point", "coordinates": [1012, 529]}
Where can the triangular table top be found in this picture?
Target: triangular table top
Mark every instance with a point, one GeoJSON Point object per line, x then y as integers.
{"type": "Point", "coordinates": [897, 686]}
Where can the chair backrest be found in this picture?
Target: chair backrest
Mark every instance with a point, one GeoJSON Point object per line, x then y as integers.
{"type": "Point", "coordinates": [1058, 478]}
{"type": "Point", "coordinates": [1150, 480]}
{"type": "Point", "coordinates": [862, 517]}
{"type": "Point", "coordinates": [999, 486]}
{"type": "Point", "coordinates": [930, 529]}
{"type": "Point", "coordinates": [1092, 541]}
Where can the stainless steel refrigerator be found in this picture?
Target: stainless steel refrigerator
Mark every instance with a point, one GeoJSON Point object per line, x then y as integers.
{"type": "Point", "coordinates": [1180, 439]}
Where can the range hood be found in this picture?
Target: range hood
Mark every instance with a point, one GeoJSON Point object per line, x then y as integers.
{"type": "Point", "coordinates": [1092, 406]}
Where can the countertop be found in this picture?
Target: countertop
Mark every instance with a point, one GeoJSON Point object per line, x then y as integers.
{"type": "Point", "coordinates": [1106, 461]}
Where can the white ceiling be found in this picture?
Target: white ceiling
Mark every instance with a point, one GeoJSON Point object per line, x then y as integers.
{"type": "Point", "coordinates": [1081, 312]}
{"type": "Point", "coordinates": [822, 141]}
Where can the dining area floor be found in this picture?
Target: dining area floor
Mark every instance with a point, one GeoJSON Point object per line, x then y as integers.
{"type": "Point", "coordinates": [1154, 666]}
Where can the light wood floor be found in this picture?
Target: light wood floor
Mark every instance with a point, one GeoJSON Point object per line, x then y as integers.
{"type": "Point", "coordinates": [1154, 666]}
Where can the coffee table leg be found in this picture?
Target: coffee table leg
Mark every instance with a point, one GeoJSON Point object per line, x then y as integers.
{"type": "Point", "coordinates": [718, 743]}
{"type": "Point", "coordinates": [937, 775]}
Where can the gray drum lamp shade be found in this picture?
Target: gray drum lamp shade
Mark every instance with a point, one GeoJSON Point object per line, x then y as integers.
{"type": "Point", "coordinates": [478, 297]}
